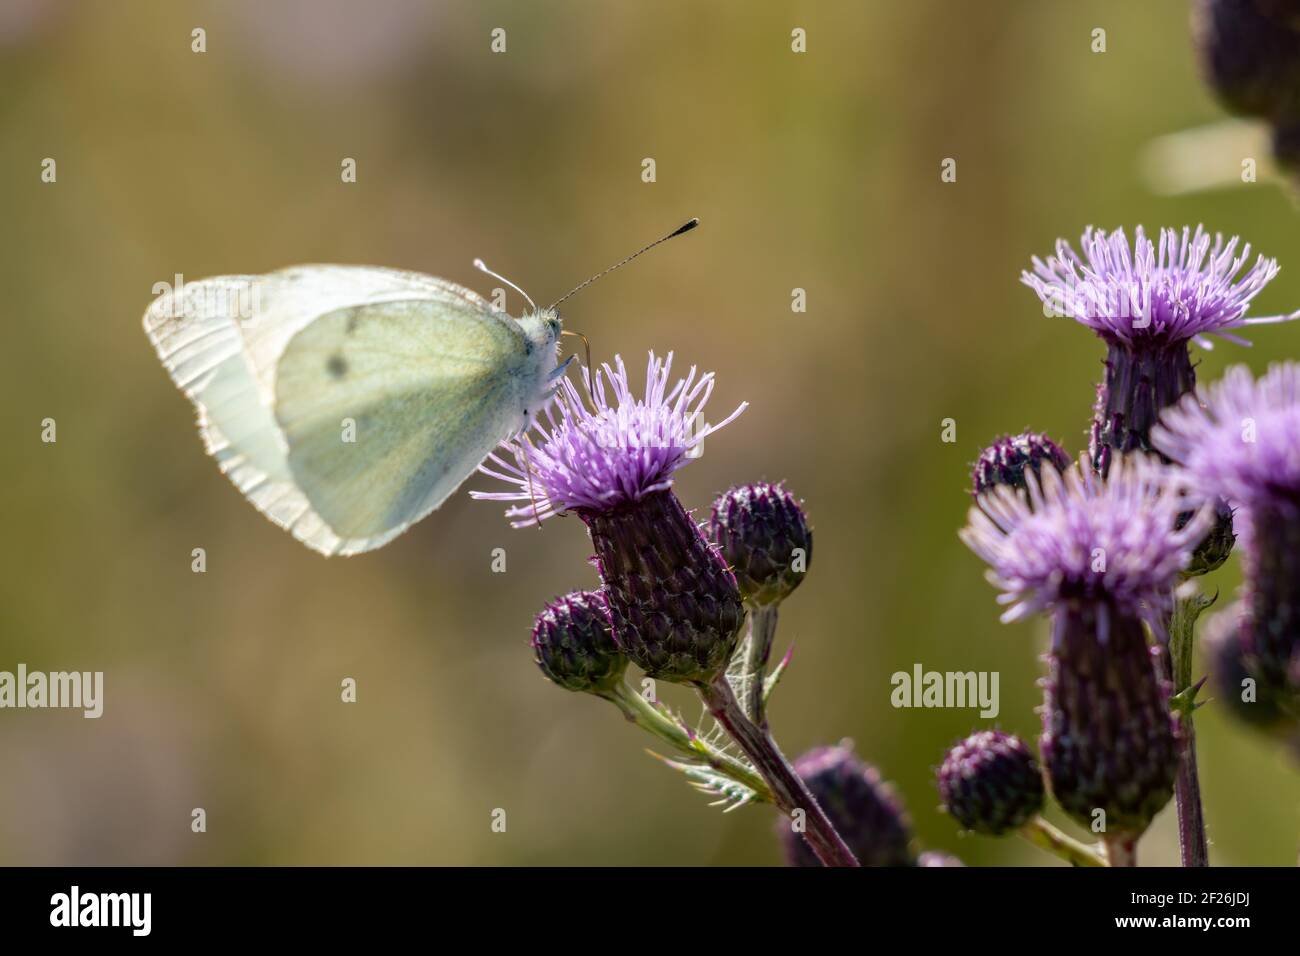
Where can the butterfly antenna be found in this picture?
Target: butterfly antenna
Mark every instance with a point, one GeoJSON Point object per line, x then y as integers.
{"type": "Point", "coordinates": [685, 227]}
{"type": "Point", "coordinates": [481, 266]}
{"type": "Point", "coordinates": [586, 348]}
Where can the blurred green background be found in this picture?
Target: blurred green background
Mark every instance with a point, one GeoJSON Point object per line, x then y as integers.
{"type": "Point", "coordinates": [818, 171]}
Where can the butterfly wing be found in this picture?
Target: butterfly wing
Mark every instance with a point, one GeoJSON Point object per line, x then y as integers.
{"type": "Point", "coordinates": [222, 341]}
{"type": "Point", "coordinates": [388, 408]}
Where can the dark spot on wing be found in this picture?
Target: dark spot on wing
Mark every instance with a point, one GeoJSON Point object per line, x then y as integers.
{"type": "Point", "coordinates": [337, 366]}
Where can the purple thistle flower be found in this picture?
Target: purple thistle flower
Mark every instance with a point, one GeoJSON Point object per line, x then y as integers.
{"type": "Point", "coordinates": [1102, 555]}
{"type": "Point", "coordinates": [1080, 536]}
{"type": "Point", "coordinates": [675, 606]}
{"type": "Point", "coordinates": [990, 783]}
{"type": "Point", "coordinates": [617, 454]}
{"type": "Point", "coordinates": [864, 809]}
{"type": "Point", "coordinates": [1147, 303]}
{"type": "Point", "coordinates": [1004, 462]}
{"type": "Point", "coordinates": [1188, 287]}
{"type": "Point", "coordinates": [1240, 439]}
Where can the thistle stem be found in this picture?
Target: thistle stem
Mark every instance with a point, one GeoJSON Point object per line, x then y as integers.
{"type": "Point", "coordinates": [758, 649]}
{"type": "Point", "coordinates": [1121, 850]}
{"type": "Point", "coordinates": [653, 719]}
{"type": "Point", "coordinates": [1045, 836]}
{"type": "Point", "coordinates": [789, 792]}
{"type": "Point", "coordinates": [1187, 785]}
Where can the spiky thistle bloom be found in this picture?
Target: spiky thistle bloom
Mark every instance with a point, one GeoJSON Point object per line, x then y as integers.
{"type": "Point", "coordinates": [864, 809]}
{"type": "Point", "coordinates": [675, 605]}
{"type": "Point", "coordinates": [1101, 555]}
{"type": "Point", "coordinates": [573, 643]}
{"type": "Point", "coordinates": [990, 783]}
{"type": "Point", "coordinates": [1240, 439]}
{"type": "Point", "coordinates": [764, 536]}
{"type": "Point", "coordinates": [1147, 302]}
{"type": "Point", "coordinates": [1004, 462]}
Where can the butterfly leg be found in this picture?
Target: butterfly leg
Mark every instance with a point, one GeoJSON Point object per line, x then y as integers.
{"type": "Point", "coordinates": [528, 473]}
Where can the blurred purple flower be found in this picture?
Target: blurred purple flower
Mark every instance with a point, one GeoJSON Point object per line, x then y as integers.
{"type": "Point", "coordinates": [863, 808]}
{"type": "Point", "coordinates": [1103, 554]}
{"type": "Point", "coordinates": [1113, 540]}
{"type": "Point", "coordinates": [1240, 439]}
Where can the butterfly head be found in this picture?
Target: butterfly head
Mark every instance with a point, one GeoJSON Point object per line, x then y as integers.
{"type": "Point", "coordinates": [550, 321]}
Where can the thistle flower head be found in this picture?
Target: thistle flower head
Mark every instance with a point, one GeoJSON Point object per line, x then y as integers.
{"type": "Point", "coordinates": [621, 451]}
{"type": "Point", "coordinates": [861, 807]}
{"type": "Point", "coordinates": [1004, 462]}
{"type": "Point", "coordinates": [1078, 536]}
{"type": "Point", "coordinates": [1186, 286]}
{"type": "Point", "coordinates": [574, 643]}
{"type": "Point", "coordinates": [765, 538]}
{"type": "Point", "coordinates": [1240, 438]}
{"type": "Point", "coordinates": [990, 783]}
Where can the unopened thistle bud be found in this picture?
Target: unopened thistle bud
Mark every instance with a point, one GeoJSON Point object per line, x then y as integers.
{"type": "Point", "coordinates": [675, 606]}
{"type": "Point", "coordinates": [1250, 54]}
{"type": "Point", "coordinates": [1101, 555]}
{"type": "Point", "coordinates": [1229, 661]}
{"type": "Point", "coordinates": [574, 643]}
{"type": "Point", "coordinates": [990, 783]}
{"type": "Point", "coordinates": [861, 807]}
{"type": "Point", "coordinates": [1005, 461]}
{"type": "Point", "coordinates": [765, 538]}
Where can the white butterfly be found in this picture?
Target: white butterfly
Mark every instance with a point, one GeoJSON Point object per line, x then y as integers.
{"type": "Point", "coordinates": [347, 402]}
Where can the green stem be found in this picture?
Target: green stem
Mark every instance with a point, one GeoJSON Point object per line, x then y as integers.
{"type": "Point", "coordinates": [653, 719]}
{"type": "Point", "coordinates": [758, 648]}
{"type": "Point", "coordinates": [1187, 785]}
{"type": "Point", "coordinates": [1042, 834]}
